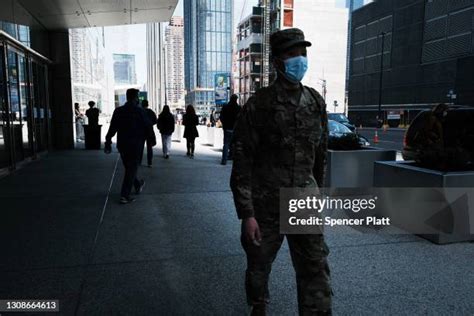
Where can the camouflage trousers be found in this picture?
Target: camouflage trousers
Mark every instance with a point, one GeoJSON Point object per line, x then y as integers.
{"type": "Point", "coordinates": [309, 257]}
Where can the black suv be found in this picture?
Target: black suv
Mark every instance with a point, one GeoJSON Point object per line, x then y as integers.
{"type": "Point", "coordinates": [341, 118]}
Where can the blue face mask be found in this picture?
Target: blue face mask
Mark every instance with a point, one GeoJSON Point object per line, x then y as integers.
{"type": "Point", "coordinates": [295, 68]}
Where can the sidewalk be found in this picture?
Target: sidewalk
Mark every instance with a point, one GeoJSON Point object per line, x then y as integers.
{"type": "Point", "coordinates": [176, 249]}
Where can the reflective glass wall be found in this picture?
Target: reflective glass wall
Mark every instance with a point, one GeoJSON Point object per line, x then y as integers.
{"type": "Point", "coordinates": [25, 118]}
{"type": "Point", "coordinates": [208, 48]}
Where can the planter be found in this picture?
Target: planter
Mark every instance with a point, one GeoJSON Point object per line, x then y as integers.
{"type": "Point", "coordinates": [218, 138]}
{"type": "Point", "coordinates": [210, 136]}
{"type": "Point", "coordinates": [354, 168]}
{"type": "Point", "coordinates": [401, 205]}
{"type": "Point", "coordinates": [92, 136]}
{"type": "Point", "coordinates": [178, 133]}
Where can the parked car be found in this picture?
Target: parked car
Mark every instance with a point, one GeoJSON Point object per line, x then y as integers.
{"type": "Point", "coordinates": [457, 126]}
{"type": "Point", "coordinates": [341, 118]}
{"type": "Point", "coordinates": [338, 130]}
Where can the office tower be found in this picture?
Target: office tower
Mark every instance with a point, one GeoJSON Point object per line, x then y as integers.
{"type": "Point", "coordinates": [207, 50]}
{"type": "Point", "coordinates": [351, 5]}
{"type": "Point", "coordinates": [155, 65]}
{"type": "Point", "coordinates": [174, 66]}
{"type": "Point", "coordinates": [428, 58]}
{"type": "Point", "coordinates": [249, 54]}
{"type": "Point", "coordinates": [88, 68]}
{"type": "Point", "coordinates": [124, 69]}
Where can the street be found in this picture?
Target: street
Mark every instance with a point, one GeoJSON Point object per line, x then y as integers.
{"type": "Point", "coordinates": [390, 139]}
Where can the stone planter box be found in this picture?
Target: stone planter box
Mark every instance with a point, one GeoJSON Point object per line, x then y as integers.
{"type": "Point", "coordinates": [354, 168]}
{"type": "Point", "coordinates": [457, 193]}
{"type": "Point", "coordinates": [210, 136]}
{"type": "Point", "coordinates": [178, 133]}
{"type": "Point", "coordinates": [218, 138]}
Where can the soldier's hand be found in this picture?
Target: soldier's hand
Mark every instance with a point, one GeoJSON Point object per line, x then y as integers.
{"type": "Point", "coordinates": [251, 231]}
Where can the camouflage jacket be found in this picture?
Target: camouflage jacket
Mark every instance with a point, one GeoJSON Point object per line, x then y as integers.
{"type": "Point", "coordinates": [279, 142]}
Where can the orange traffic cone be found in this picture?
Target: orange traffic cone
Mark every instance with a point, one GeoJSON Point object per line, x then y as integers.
{"type": "Point", "coordinates": [376, 137]}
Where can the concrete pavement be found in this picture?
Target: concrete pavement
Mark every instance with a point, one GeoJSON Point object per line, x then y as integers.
{"type": "Point", "coordinates": [176, 250]}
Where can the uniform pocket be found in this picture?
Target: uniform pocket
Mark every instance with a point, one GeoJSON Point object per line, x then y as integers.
{"type": "Point", "coordinates": [310, 118]}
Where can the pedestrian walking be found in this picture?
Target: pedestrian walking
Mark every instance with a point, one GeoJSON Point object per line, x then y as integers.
{"type": "Point", "coordinates": [151, 137]}
{"type": "Point", "coordinates": [132, 126]}
{"type": "Point", "coordinates": [79, 123]}
{"type": "Point", "coordinates": [190, 121]}
{"type": "Point", "coordinates": [92, 114]}
{"type": "Point", "coordinates": [228, 117]}
{"type": "Point", "coordinates": [166, 127]}
{"type": "Point", "coordinates": [212, 118]}
{"type": "Point", "coordinates": [280, 141]}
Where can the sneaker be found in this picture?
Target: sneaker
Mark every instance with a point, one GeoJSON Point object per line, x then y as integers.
{"type": "Point", "coordinates": [149, 166]}
{"type": "Point", "coordinates": [192, 156]}
{"type": "Point", "coordinates": [188, 154]}
{"type": "Point", "coordinates": [223, 163]}
{"type": "Point", "coordinates": [140, 188]}
{"type": "Point", "coordinates": [167, 156]}
{"type": "Point", "coordinates": [126, 200]}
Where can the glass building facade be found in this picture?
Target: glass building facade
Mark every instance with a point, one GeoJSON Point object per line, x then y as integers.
{"type": "Point", "coordinates": [19, 32]}
{"type": "Point", "coordinates": [25, 118]}
{"type": "Point", "coordinates": [207, 49]}
{"type": "Point", "coordinates": [124, 69]}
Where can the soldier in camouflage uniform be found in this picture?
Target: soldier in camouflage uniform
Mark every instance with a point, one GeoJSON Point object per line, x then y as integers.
{"type": "Point", "coordinates": [281, 142]}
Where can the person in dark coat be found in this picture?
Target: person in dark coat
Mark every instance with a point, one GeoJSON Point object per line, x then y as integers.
{"type": "Point", "coordinates": [190, 121]}
{"type": "Point", "coordinates": [132, 126]}
{"type": "Point", "coordinates": [79, 123]}
{"type": "Point", "coordinates": [151, 138]}
{"type": "Point", "coordinates": [166, 126]}
{"type": "Point", "coordinates": [93, 114]}
{"type": "Point", "coordinates": [212, 118]}
{"type": "Point", "coordinates": [228, 117]}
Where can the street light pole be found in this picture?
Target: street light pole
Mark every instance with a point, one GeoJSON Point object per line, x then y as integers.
{"type": "Point", "coordinates": [379, 116]}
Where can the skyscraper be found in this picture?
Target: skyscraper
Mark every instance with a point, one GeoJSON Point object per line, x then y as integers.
{"type": "Point", "coordinates": [249, 54]}
{"type": "Point", "coordinates": [207, 49]}
{"type": "Point", "coordinates": [88, 68]}
{"type": "Point", "coordinates": [154, 61]}
{"type": "Point", "coordinates": [351, 5]}
{"type": "Point", "coordinates": [354, 4]}
{"type": "Point", "coordinates": [174, 69]}
{"type": "Point", "coordinates": [124, 69]}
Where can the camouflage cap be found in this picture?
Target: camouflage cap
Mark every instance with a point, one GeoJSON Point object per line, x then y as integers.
{"type": "Point", "coordinates": [284, 39]}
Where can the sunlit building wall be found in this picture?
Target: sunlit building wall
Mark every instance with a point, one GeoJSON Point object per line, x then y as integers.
{"type": "Point", "coordinates": [174, 48]}
{"type": "Point", "coordinates": [155, 65]}
{"type": "Point", "coordinates": [89, 67]}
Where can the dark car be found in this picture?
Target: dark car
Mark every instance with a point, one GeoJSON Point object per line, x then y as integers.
{"type": "Point", "coordinates": [457, 129]}
{"type": "Point", "coordinates": [338, 130]}
{"type": "Point", "coordinates": [341, 118]}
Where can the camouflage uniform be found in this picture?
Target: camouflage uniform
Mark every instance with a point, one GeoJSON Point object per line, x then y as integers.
{"type": "Point", "coordinates": [280, 141]}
